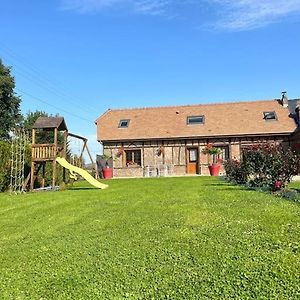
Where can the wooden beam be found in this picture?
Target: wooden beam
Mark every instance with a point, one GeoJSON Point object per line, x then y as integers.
{"type": "Point", "coordinates": [43, 174]}
{"type": "Point", "coordinates": [84, 145]}
{"type": "Point", "coordinates": [33, 136]}
{"type": "Point", "coordinates": [32, 175]}
{"type": "Point", "coordinates": [65, 143]}
{"type": "Point", "coordinates": [55, 136]}
{"type": "Point", "coordinates": [89, 153]}
{"type": "Point", "coordinates": [26, 181]}
{"type": "Point", "coordinates": [53, 173]}
{"type": "Point", "coordinates": [77, 136]}
{"type": "Point", "coordinates": [43, 145]}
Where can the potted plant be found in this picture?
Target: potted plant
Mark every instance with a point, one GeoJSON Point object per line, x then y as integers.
{"type": "Point", "coordinates": [213, 153]}
{"type": "Point", "coordinates": [160, 151]}
{"type": "Point", "coordinates": [120, 152]}
{"type": "Point", "coordinates": [107, 171]}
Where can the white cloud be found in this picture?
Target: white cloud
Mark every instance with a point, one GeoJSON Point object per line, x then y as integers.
{"type": "Point", "coordinates": [153, 7]}
{"type": "Point", "coordinates": [85, 6]}
{"type": "Point", "coordinates": [250, 14]}
{"type": "Point", "coordinates": [231, 14]}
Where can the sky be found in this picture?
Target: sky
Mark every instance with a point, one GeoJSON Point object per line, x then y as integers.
{"type": "Point", "coordinates": [78, 58]}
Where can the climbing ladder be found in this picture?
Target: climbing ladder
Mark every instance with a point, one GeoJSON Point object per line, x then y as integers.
{"type": "Point", "coordinates": [19, 141]}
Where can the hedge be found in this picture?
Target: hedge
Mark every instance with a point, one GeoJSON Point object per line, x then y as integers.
{"type": "Point", "coordinates": [5, 148]}
{"type": "Point", "coordinates": [265, 165]}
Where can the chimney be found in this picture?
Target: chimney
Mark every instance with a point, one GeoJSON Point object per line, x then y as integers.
{"type": "Point", "coordinates": [284, 99]}
{"type": "Point", "coordinates": [297, 111]}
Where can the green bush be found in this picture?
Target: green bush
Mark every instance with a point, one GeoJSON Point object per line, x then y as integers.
{"type": "Point", "coordinates": [5, 168]}
{"type": "Point", "coordinates": [235, 171]}
{"type": "Point", "coordinates": [265, 165]}
{"type": "Point", "coordinates": [4, 165]}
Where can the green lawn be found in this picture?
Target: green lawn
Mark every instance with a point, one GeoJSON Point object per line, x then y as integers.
{"type": "Point", "coordinates": [294, 185]}
{"type": "Point", "coordinates": [168, 238]}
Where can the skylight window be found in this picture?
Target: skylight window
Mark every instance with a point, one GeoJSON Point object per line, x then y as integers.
{"type": "Point", "coordinates": [124, 123]}
{"type": "Point", "coordinates": [270, 116]}
{"type": "Point", "coordinates": [194, 120]}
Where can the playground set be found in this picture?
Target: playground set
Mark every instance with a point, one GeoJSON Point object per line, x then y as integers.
{"type": "Point", "coordinates": [46, 153]}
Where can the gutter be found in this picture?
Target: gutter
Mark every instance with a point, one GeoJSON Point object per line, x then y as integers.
{"type": "Point", "coordinates": [198, 137]}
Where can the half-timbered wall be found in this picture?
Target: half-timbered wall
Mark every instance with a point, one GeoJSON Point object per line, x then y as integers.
{"type": "Point", "coordinates": [174, 153]}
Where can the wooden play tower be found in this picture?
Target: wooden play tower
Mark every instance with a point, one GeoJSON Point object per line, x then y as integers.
{"type": "Point", "coordinates": [43, 153]}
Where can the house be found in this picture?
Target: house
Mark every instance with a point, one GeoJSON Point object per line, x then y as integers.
{"type": "Point", "coordinates": [170, 140]}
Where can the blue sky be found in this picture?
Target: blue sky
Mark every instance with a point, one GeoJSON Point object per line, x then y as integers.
{"type": "Point", "coordinates": [80, 57]}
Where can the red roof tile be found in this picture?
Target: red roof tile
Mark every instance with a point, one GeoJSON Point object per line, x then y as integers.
{"type": "Point", "coordinates": [223, 119]}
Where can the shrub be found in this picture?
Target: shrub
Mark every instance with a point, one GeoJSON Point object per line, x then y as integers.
{"type": "Point", "coordinates": [4, 165]}
{"type": "Point", "coordinates": [267, 165]}
{"type": "Point", "coordinates": [235, 172]}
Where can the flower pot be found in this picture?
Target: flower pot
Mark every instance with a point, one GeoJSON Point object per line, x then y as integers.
{"type": "Point", "coordinates": [214, 170]}
{"type": "Point", "coordinates": [107, 173]}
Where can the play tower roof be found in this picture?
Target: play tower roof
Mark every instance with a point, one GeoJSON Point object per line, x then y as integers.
{"type": "Point", "coordinates": [50, 123]}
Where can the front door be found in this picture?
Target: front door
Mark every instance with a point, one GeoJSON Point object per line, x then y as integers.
{"type": "Point", "coordinates": [192, 160]}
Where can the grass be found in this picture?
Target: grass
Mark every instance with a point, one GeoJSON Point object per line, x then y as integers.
{"type": "Point", "coordinates": [294, 185]}
{"type": "Point", "coordinates": [168, 238]}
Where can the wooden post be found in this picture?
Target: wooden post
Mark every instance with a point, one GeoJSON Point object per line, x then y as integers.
{"type": "Point", "coordinates": [43, 174]}
{"type": "Point", "coordinates": [32, 161]}
{"type": "Point", "coordinates": [89, 153]}
{"type": "Point", "coordinates": [96, 171]}
{"type": "Point", "coordinates": [32, 175]}
{"type": "Point", "coordinates": [33, 136]}
{"type": "Point", "coordinates": [82, 151]}
{"type": "Point", "coordinates": [54, 160]}
{"type": "Point", "coordinates": [65, 143]}
{"type": "Point", "coordinates": [55, 137]}
{"type": "Point", "coordinates": [53, 173]}
{"type": "Point", "coordinates": [65, 153]}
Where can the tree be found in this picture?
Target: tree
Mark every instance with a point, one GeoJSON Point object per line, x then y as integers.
{"type": "Point", "coordinates": [9, 102]}
{"type": "Point", "coordinates": [29, 120]}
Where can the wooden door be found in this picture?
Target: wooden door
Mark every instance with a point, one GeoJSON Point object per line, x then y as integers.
{"type": "Point", "coordinates": [192, 160]}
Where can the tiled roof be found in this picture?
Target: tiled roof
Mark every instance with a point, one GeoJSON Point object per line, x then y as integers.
{"type": "Point", "coordinates": [223, 119]}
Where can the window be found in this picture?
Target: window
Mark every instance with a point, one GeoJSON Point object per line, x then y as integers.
{"type": "Point", "coordinates": [194, 120]}
{"type": "Point", "coordinates": [270, 116]}
{"type": "Point", "coordinates": [133, 158]}
{"type": "Point", "coordinates": [193, 155]}
{"type": "Point", "coordinates": [124, 123]}
{"type": "Point", "coordinates": [224, 155]}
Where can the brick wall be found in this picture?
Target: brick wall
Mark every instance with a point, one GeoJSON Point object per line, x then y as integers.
{"type": "Point", "coordinates": [128, 172]}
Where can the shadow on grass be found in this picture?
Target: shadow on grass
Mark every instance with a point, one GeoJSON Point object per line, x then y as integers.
{"type": "Point", "coordinates": [82, 188]}
{"type": "Point", "coordinates": [237, 188]}
{"type": "Point", "coordinates": [219, 184]}
{"type": "Point", "coordinates": [227, 186]}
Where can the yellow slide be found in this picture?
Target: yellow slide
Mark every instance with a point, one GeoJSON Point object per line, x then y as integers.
{"type": "Point", "coordinates": [88, 177]}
